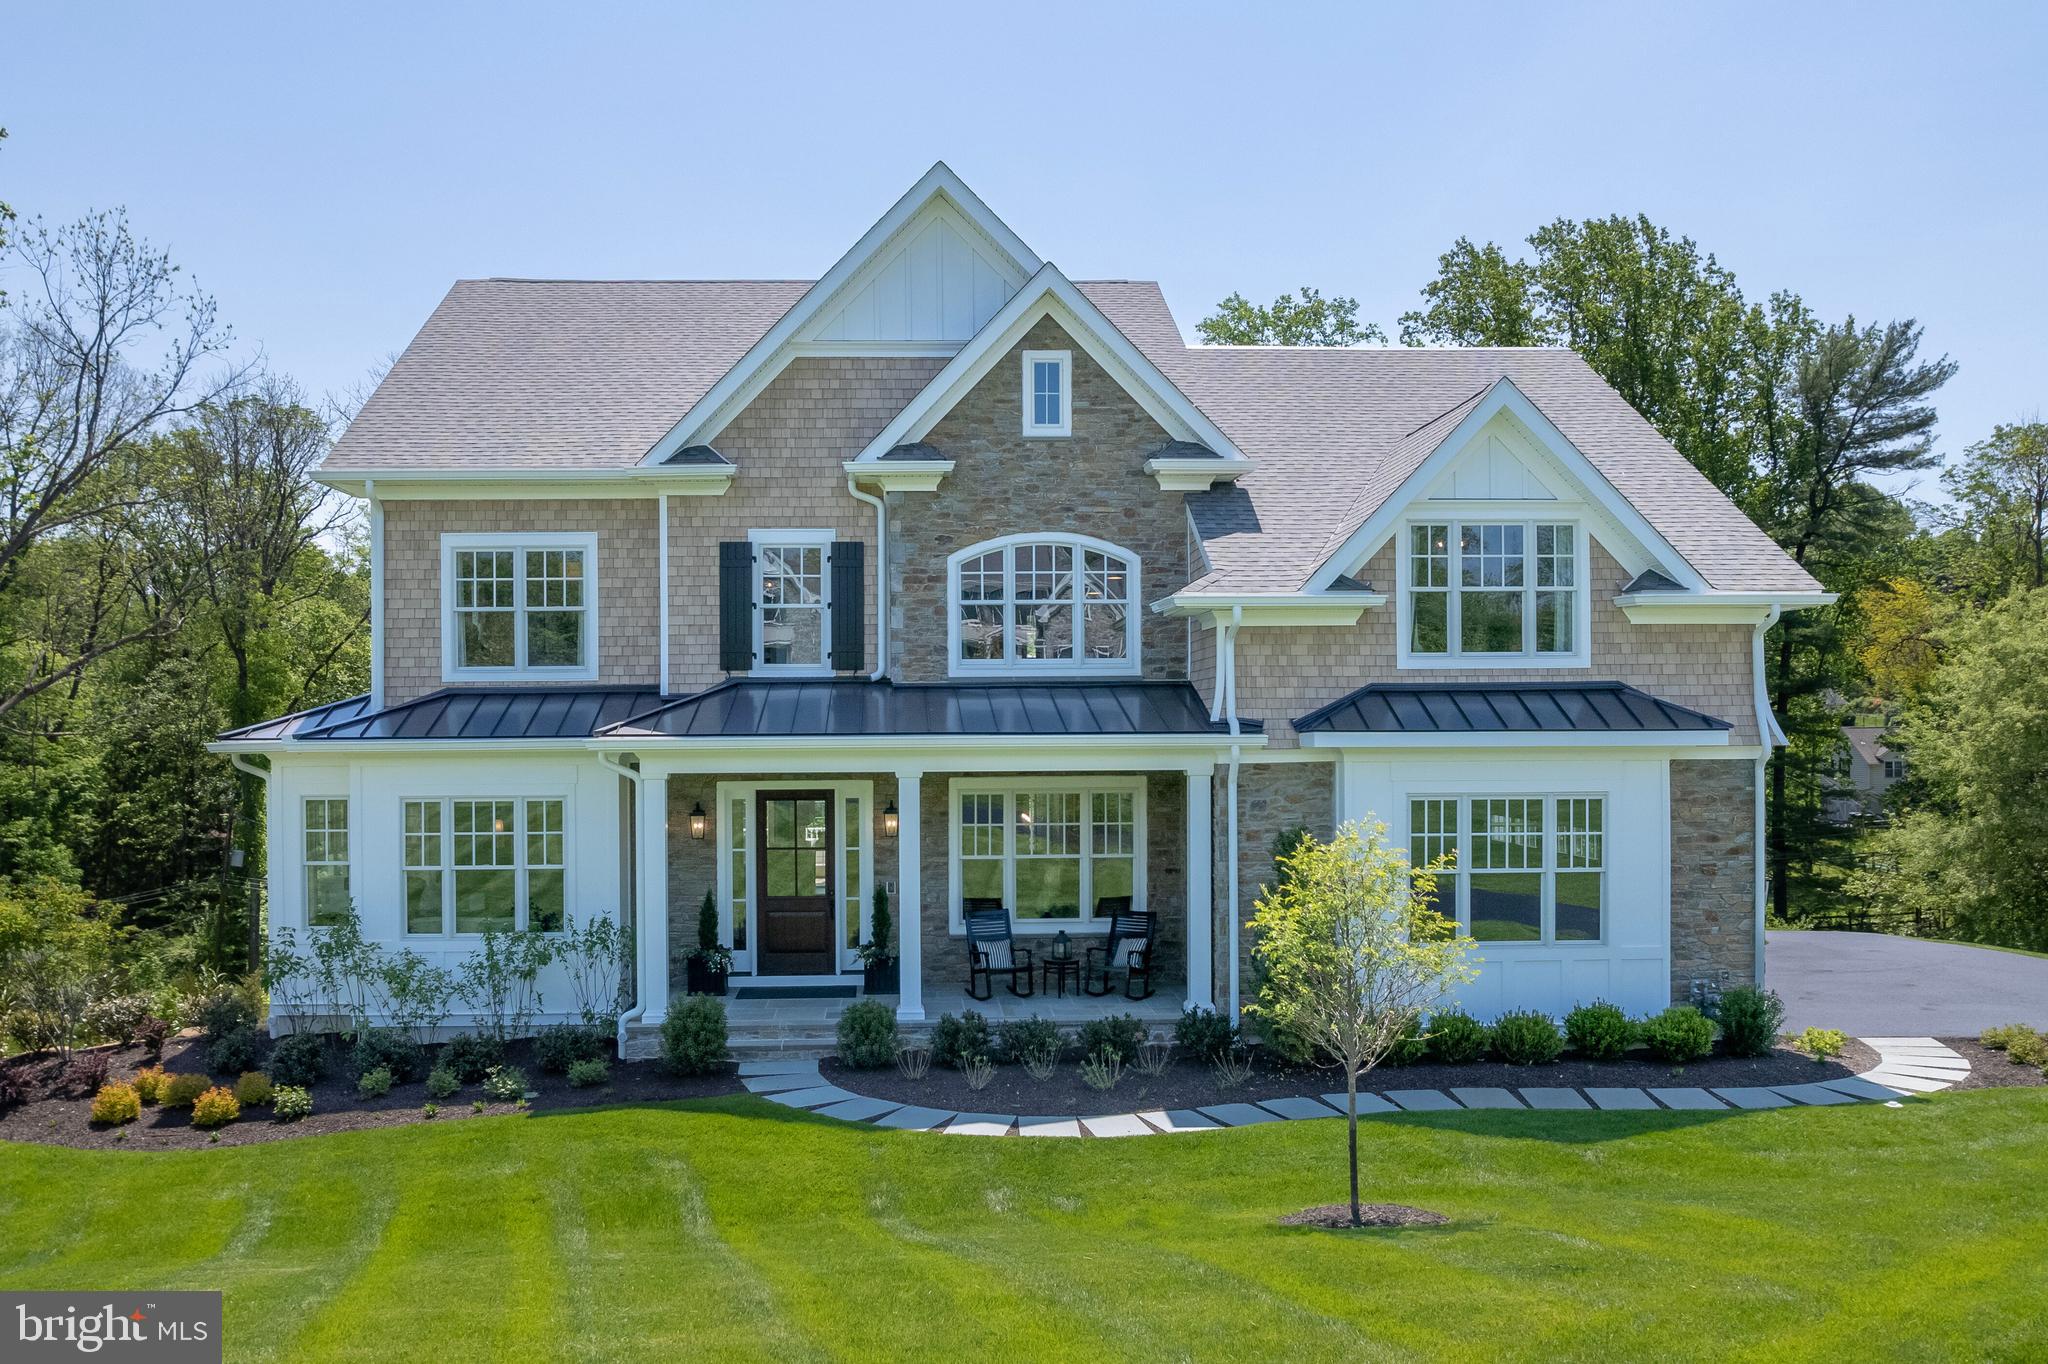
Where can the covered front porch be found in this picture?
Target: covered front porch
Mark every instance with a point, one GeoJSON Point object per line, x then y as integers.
{"type": "Point", "coordinates": [791, 839]}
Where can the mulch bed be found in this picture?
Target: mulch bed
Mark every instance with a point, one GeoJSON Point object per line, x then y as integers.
{"type": "Point", "coordinates": [55, 1115]}
{"type": "Point", "coordinates": [1991, 1069]}
{"type": "Point", "coordinates": [1337, 1217]}
{"type": "Point", "coordinates": [1194, 1086]}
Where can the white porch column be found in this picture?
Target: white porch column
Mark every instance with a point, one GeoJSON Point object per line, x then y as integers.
{"type": "Point", "coordinates": [1201, 903]}
{"type": "Point", "coordinates": [651, 845]}
{"type": "Point", "coordinates": [910, 893]}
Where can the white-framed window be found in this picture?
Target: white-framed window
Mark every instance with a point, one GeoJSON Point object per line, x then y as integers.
{"type": "Point", "coordinates": [1051, 849]}
{"type": "Point", "coordinates": [326, 861]}
{"type": "Point", "coordinates": [1894, 768]}
{"type": "Point", "coordinates": [792, 600]}
{"type": "Point", "coordinates": [1525, 868]}
{"type": "Point", "coordinates": [1043, 604]}
{"type": "Point", "coordinates": [516, 606]}
{"type": "Point", "coordinates": [1048, 396]}
{"type": "Point", "coordinates": [481, 862]}
{"type": "Point", "coordinates": [1492, 592]}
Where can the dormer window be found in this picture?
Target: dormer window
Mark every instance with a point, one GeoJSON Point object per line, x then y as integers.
{"type": "Point", "coordinates": [1043, 604]}
{"type": "Point", "coordinates": [1492, 593]}
{"type": "Point", "coordinates": [1047, 397]}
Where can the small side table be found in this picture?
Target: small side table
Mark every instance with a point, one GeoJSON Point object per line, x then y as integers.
{"type": "Point", "coordinates": [1060, 970]}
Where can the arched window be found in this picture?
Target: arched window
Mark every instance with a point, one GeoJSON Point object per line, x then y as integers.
{"type": "Point", "coordinates": [1043, 604]}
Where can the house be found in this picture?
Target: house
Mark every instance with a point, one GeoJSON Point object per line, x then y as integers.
{"type": "Point", "coordinates": [1865, 769]}
{"type": "Point", "coordinates": [951, 575]}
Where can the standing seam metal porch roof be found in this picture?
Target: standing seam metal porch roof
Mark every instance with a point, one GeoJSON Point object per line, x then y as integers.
{"type": "Point", "coordinates": [848, 707]}
{"type": "Point", "coordinates": [1509, 707]}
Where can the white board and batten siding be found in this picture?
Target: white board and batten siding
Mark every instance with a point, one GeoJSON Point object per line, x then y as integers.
{"type": "Point", "coordinates": [1630, 966]}
{"type": "Point", "coordinates": [376, 788]}
{"type": "Point", "coordinates": [937, 286]}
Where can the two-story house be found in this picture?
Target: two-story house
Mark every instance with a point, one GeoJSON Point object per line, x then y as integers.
{"type": "Point", "coordinates": [948, 574]}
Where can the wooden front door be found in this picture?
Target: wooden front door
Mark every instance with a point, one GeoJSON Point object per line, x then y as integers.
{"type": "Point", "coordinates": [795, 869]}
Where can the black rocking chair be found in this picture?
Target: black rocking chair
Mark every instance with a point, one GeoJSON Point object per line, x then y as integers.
{"type": "Point", "coordinates": [1128, 948]}
{"type": "Point", "coordinates": [991, 951]}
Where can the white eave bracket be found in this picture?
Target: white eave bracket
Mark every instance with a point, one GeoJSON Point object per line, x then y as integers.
{"type": "Point", "coordinates": [1195, 475]}
{"type": "Point", "coordinates": [900, 475]}
{"type": "Point", "coordinates": [1713, 608]}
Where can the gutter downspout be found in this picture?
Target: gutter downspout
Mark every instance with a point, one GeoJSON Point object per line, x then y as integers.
{"type": "Point", "coordinates": [1769, 736]}
{"type": "Point", "coordinates": [662, 542]}
{"type": "Point", "coordinates": [1230, 817]}
{"type": "Point", "coordinates": [639, 1009]}
{"type": "Point", "coordinates": [881, 577]}
{"type": "Point", "coordinates": [376, 595]}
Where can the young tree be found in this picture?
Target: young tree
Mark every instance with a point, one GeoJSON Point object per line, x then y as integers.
{"type": "Point", "coordinates": [1355, 954]}
{"type": "Point", "coordinates": [1311, 320]}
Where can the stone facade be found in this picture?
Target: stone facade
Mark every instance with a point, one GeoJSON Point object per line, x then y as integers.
{"type": "Point", "coordinates": [629, 618]}
{"type": "Point", "coordinates": [1713, 874]}
{"type": "Point", "coordinates": [1092, 483]}
{"type": "Point", "coordinates": [1285, 673]}
{"type": "Point", "coordinates": [1271, 798]}
{"type": "Point", "coordinates": [945, 959]}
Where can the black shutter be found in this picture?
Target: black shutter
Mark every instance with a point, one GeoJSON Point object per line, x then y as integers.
{"type": "Point", "coordinates": [849, 650]}
{"type": "Point", "coordinates": [735, 606]}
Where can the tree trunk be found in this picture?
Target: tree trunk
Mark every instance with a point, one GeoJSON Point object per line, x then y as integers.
{"type": "Point", "coordinates": [1351, 1120]}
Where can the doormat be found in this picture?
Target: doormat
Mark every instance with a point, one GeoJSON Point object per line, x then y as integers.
{"type": "Point", "coordinates": [795, 991]}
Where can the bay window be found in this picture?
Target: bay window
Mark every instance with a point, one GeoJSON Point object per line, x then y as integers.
{"type": "Point", "coordinates": [473, 864]}
{"type": "Point", "coordinates": [1525, 868]}
{"type": "Point", "coordinates": [1052, 603]}
{"type": "Point", "coordinates": [1051, 850]}
{"type": "Point", "coordinates": [1480, 590]}
{"type": "Point", "coordinates": [519, 606]}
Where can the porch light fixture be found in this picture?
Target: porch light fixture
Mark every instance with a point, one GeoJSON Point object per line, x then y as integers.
{"type": "Point", "coordinates": [889, 820]}
{"type": "Point", "coordinates": [699, 822]}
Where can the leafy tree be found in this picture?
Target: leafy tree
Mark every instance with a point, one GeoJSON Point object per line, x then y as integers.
{"type": "Point", "coordinates": [1354, 955]}
{"type": "Point", "coordinates": [1479, 298]}
{"type": "Point", "coordinates": [1900, 618]}
{"type": "Point", "coordinates": [2001, 489]}
{"type": "Point", "coordinates": [1975, 845]}
{"type": "Point", "coordinates": [1311, 320]}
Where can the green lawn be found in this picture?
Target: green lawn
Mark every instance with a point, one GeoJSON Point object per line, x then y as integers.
{"type": "Point", "coordinates": [737, 1229]}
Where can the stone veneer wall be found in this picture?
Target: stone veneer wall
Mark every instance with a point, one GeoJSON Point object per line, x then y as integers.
{"type": "Point", "coordinates": [1271, 797]}
{"type": "Point", "coordinates": [1092, 483]}
{"type": "Point", "coordinates": [1285, 673]}
{"type": "Point", "coordinates": [788, 444]}
{"type": "Point", "coordinates": [945, 955]}
{"type": "Point", "coordinates": [628, 613]}
{"type": "Point", "coordinates": [1713, 873]}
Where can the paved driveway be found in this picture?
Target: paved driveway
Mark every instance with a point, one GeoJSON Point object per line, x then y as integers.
{"type": "Point", "coordinates": [1870, 985]}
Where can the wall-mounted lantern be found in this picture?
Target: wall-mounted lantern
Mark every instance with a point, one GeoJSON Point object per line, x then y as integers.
{"type": "Point", "coordinates": [700, 823]}
{"type": "Point", "coordinates": [889, 820]}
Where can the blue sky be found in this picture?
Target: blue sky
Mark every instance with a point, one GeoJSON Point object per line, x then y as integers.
{"type": "Point", "coordinates": [327, 175]}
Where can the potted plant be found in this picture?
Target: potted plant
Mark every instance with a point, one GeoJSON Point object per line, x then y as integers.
{"type": "Point", "coordinates": [711, 963]}
{"type": "Point", "coordinates": [881, 972]}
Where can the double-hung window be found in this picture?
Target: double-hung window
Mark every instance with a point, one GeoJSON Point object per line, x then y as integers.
{"type": "Point", "coordinates": [519, 606]}
{"type": "Point", "coordinates": [326, 861]}
{"type": "Point", "coordinates": [792, 600]}
{"type": "Point", "coordinates": [1524, 868]}
{"type": "Point", "coordinates": [1047, 401]}
{"type": "Point", "coordinates": [1054, 603]}
{"type": "Point", "coordinates": [490, 862]}
{"type": "Point", "coordinates": [1050, 850]}
{"type": "Point", "coordinates": [1479, 591]}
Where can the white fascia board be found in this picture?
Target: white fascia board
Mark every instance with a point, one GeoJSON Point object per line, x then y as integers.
{"type": "Point", "coordinates": [1662, 739]}
{"type": "Point", "coordinates": [901, 475]}
{"type": "Point", "coordinates": [1504, 396]}
{"type": "Point", "coordinates": [936, 753]}
{"type": "Point", "coordinates": [1050, 293]}
{"type": "Point", "coordinates": [767, 356]}
{"type": "Point", "coordinates": [1180, 475]}
{"type": "Point", "coordinates": [404, 485]}
{"type": "Point", "coordinates": [1713, 608]}
{"type": "Point", "coordinates": [393, 748]}
{"type": "Point", "coordinates": [1276, 608]}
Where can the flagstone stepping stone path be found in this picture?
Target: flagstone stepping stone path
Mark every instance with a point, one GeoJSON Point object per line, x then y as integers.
{"type": "Point", "coordinates": [1906, 1066]}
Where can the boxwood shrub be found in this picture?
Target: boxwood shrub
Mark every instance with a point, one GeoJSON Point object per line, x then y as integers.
{"type": "Point", "coordinates": [956, 1041]}
{"type": "Point", "coordinates": [1204, 1034]}
{"type": "Point", "coordinates": [693, 1036]}
{"type": "Point", "coordinates": [471, 1055]}
{"type": "Point", "coordinates": [1119, 1034]}
{"type": "Point", "coordinates": [1680, 1034]}
{"type": "Point", "coordinates": [1527, 1038]}
{"type": "Point", "coordinates": [1456, 1037]}
{"type": "Point", "coordinates": [1749, 1020]}
{"type": "Point", "coordinates": [299, 1059]}
{"type": "Point", "coordinates": [1024, 1037]}
{"type": "Point", "coordinates": [1599, 1030]}
{"type": "Point", "coordinates": [867, 1035]}
{"type": "Point", "coordinates": [389, 1049]}
{"type": "Point", "coordinates": [562, 1045]}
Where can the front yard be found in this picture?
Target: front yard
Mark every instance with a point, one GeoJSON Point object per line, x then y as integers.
{"type": "Point", "coordinates": [734, 1228]}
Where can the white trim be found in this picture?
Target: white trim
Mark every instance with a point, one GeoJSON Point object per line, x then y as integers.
{"type": "Point", "coordinates": [1714, 608]}
{"type": "Point", "coordinates": [758, 365]}
{"type": "Point", "coordinates": [1271, 608]}
{"type": "Point", "coordinates": [1008, 787]}
{"type": "Point", "coordinates": [967, 752]}
{"type": "Point", "coordinates": [900, 475]}
{"type": "Point", "coordinates": [434, 485]}
{"type": "Point", "coordinates": [725, 792]}
{"type": "Point", "coordinates": [1130, 665]}
{"type": "Point", "coordinates": [376, 595]}
{"type": "Point", "coordinates": [1641, 739]}
{"type": "Point", "coordinates": [1063, 360]}
{"type": "Point", "coordinates": [1503, 396]}
{"type": "Point", "coordinates": [518, 544]}
{"type": "Point", "coordinates": [1192, 474]}
{"type": "Point", "coordinates": [822, 541]}
{"type": "Point", "coordinates": [1051, 294]}
{"type": "Point", "coordinates": [1454, 522]}
{"type": "Point", "coordinates": [895, 350]}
